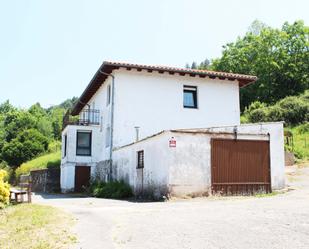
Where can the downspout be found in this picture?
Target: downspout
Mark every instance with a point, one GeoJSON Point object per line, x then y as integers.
{"type": "Point", "coordinates": [112, 120]}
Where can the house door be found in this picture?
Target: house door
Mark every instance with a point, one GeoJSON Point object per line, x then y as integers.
{"type": "Point", "coordinates": [82, 178]}
{"type": "Point", "coordinates": [240, 166]}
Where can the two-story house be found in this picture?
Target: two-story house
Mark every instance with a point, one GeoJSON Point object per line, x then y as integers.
{"type": "Point", "coordinates": [126, 106]}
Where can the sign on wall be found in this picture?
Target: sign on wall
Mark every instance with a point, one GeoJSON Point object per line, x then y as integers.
{"type": "Point", "coordinates": [172, 142]}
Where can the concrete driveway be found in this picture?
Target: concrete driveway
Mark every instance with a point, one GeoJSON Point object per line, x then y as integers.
{"type": "Point", "coordinates": [280, 221]}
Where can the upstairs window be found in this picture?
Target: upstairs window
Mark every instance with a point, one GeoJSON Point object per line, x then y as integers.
{"type": "Point", "coordinates": [140, 159]}
{"type": "Point", "coordinates": [83, 143]}
{"type": "Point", "coordinates": [190, 97]}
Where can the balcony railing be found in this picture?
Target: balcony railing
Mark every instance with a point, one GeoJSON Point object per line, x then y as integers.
{"type": "Point", "coordinates": [86, 117]}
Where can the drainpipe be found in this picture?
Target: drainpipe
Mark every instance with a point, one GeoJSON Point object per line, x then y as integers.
{"type": "Point", "coordinates": [112, 120]}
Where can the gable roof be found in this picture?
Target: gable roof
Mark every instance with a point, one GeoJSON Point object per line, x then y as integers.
{"type": "Point", "coordinates": [107, 67]}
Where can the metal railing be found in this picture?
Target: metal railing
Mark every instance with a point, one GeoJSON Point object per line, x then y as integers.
{"type": "Point", "coordinates": [85, 117]}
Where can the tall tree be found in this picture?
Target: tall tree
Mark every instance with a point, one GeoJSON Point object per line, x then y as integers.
{"type": "Point", "coordinates": [280, 59]}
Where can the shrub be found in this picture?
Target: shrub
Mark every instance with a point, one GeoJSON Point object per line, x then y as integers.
{"type": "Point", "coordinates": [4, 166]}
{"type": "Point", "coordinates": [54, 146]}
{"type": "Point", "coordinates": [114, 190]}
{"type": "Point", "coordinates": [258, 115]}
{"type": "Point", "coordinates": [304, 128]}
{"type": "Point", "coordinates": [42, 162]}
{"type": "Point", "coordinates": [4, 189]}
{"type": "Point", "coordinates": [294, 109]}
{"type": "Point", "coordinates": [25, 146]}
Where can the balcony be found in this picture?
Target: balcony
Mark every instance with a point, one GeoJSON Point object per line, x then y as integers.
{"type": "Point", "coordinates": [85, 117]}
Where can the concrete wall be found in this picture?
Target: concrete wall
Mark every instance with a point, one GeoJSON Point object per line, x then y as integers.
{"type": "Point", "coordinates": [153, 180]}
{"type": "Point", "coordinates": [186, 168]}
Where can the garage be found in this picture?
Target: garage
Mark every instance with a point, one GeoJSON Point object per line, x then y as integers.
{"type": "Point", "coordinates": [240, 166]}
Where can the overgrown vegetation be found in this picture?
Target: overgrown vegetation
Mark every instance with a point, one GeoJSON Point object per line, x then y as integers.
{"type": "Point", "coordinates": [35, 226]}
{"type": "Point", "coordinates": [293, 110]}
{"type": "Point", "coordinates": [300, 146]}
{"type": "Point", "coordinates": [114, 190]}
{"type": "Point", "coordinates": [29, 133]}
{"type": "Point", "coordinates": [4, 189]}
{"type": "Point", "coordinates": [41, 162]}
{"type": "Point", "coordinates": [279, 57]}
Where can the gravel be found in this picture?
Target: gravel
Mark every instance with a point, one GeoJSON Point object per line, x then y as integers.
{"type": "Point", "coordinates": [279, 221]}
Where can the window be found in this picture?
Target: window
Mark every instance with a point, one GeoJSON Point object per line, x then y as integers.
{"type": "Point", "coordinates": [83, 143]}
{"type": "Point", "coordinates": [190, 97]}
{"type": "Point", "coordinates": [65, 145]}
{"type": "Point", "coordinates": [140, 159]}
{"type": "Point", "coordinates": [108, 97]}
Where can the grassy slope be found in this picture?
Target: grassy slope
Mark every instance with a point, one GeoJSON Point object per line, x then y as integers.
{"type": "Point", "coordinates": [301, 143]}
{"type": "Point", "coordinates": [42, 162]}
{"type": "Point", "coordinates": [35, 226]}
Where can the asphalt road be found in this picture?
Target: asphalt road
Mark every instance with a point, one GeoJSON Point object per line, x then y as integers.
{"type": "Point", "coordinates": [280, 221]}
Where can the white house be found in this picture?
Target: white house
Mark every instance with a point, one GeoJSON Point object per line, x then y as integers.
{"type": "Point", "coordinates": [153, 126]}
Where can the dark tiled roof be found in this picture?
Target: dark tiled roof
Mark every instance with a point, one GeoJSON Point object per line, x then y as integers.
{"type": "Point", "coordinates": [108, 66]}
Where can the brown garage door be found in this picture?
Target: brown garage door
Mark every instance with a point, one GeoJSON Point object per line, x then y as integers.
{"type": "Point", "coordinates": [240, 166]}
{"type": "Point", "coordinates": [82, 177]}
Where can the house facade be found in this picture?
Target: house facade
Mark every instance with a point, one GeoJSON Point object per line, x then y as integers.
{"type": "Point", "coordinates": [124, 104]}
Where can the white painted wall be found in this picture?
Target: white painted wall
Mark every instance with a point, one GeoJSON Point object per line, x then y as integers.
{"type": "Point", "coordinates": [154, 102]}
{"type": "Point", "coordinates": [156, 160]}
{"type": "Point", "coordinates": [186, 169]}
{"type": "Point", "coordinates": [69, 161]}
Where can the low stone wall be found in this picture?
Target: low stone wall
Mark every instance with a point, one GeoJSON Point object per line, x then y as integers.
{"type": "Point", "coordinates": [45, 180]}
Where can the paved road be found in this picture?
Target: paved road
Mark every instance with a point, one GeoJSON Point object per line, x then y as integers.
{"type": "Point", "coordinates": [280, 221]}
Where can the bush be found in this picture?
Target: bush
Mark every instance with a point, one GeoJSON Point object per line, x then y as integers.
{"type": "Point", "coordinates": [42, 162]}
{"type": "Point", "coordinates": [4, 166]}
{"type": "Point", "coordinates": [4, 189]}
{"type": "Point", "coordinates": [25, 146]}
{"type": "Point", "coordinates": [54, 146]}
{"type": "Point", "coordinates": [293, 110]}
{"type": "Point", "coordinates": [114, 190]}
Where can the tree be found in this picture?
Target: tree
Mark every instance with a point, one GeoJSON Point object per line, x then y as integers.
{"type": "Point", "coordinates": [278, 57]}
{"type": "Point", "coordinates": [24, 147]}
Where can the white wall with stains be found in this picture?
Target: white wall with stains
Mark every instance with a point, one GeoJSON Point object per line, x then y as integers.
{"type": "Point", "coordinates": [186, 168]}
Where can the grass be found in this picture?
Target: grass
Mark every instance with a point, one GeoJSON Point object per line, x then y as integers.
{"type": "Point", "coordinates": [301, 142]}
{"type": "Point", "coordinates": [34, 226]}
{"type": "Point", "coordinates": [262, 195]}
{"type": "Point", "coordinates": [41, 162]}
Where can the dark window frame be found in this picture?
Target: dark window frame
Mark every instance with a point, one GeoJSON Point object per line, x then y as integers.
{"type": "Point", "coordinates": [140, 159]}
{"type": "Point", "coordinates": [193, 91]}
{"type": "Point", "coordinates": [84, 147]}
{"type": "Point", "coordinates": [65, 145]}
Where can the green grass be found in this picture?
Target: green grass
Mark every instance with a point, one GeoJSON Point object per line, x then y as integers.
{"type": "Point", "coordinates": [301, 142]}
{"type": "Point", "coordinates": [41, 162]}
{"type": "Point", "coordinates": [35, 226]}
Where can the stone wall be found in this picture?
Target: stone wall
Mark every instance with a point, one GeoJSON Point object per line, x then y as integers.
{"type": "Point", "coordinates": [45, 180]}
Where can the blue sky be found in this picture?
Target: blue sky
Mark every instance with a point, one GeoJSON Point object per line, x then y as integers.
{"type": "Point", "coordinates": [49, 50]}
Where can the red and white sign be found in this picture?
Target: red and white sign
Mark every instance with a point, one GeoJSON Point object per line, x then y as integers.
{"type": "Point", "coordinates": [172, 142]}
